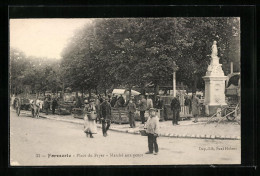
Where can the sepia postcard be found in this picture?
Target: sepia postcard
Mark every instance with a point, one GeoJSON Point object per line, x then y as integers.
{"type": "Point", "coordinates": [124, 91]}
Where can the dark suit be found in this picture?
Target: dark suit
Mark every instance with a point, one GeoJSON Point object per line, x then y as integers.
{"type": "Point", "coordinates": [131, 110]}
{"type": "Point", "coordinates": [142, 108]}
{"type": "Point", "coordinates": [105, 109]}
{"type": "Point", "coordinates": [176, 108]}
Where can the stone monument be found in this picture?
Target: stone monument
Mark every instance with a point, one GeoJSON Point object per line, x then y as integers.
{"type": "Point", "coordinates": [214, 84]}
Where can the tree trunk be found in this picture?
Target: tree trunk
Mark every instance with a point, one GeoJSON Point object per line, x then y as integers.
{"type": "Point", "coordinates": [156, 90]}
{"type": "Point", "coordinates": [130, 92]}
{"type": "Point", "coordinates": [89, 94]}
{"type": "Point", "coordinates": [195, 82]}
{"type": "Point", "coordinates": [63, 90]}
{"type": "Point", "coordinates": [96, 90]}
{"type": "Point", "coordinates": [82, 94]}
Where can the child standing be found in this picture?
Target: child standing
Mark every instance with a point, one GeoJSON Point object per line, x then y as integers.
{"type": "Point", "coordinates": [152, 126]}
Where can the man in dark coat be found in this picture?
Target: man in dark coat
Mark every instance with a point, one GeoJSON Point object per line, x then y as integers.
{"type": "Point", "coordinates": [142, 108]}
{"type": "Point", "coordinates": [159, 103]}
{"type": "Point", "coordinates": [54, 105]}
{"type": "Point", "coordinates": [131, 108]}
{"type": "Point", "coordinates": [46, 104]}
{"type": "Point", "coordinates": [121, 100]}
{"type": "Point", "coordinates": [105, 109]}
{"type": "Point", "coordinates": [176, 108]}
{"type": "Point", "coordinates": [113, 101]}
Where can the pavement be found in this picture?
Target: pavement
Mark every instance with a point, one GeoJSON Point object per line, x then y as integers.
{"type": "Point", "coordinates": [225, 130]}
{"type": "Point", "coordinates": [46, 142]}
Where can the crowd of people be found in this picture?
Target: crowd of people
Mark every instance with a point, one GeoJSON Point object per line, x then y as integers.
{"type": "Point", "coordinates": [98, 110]}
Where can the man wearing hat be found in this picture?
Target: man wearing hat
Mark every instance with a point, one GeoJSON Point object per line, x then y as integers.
{"type": "Point", "coordinates": [142, 108]}
{"type": "Point", "coordinates": [105, 110]}
{"type": "Point", "coordinates": [152, 127]}
{"type": "Point", "coordinates": [176, 108]}
{"type": "Point", "coordinates": [131, 108]}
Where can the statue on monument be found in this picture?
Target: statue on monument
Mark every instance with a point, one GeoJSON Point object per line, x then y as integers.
{"type": "Point", "coordinates": [214, 68]}
{"type": "Point", "coordinates": [214, 49]}
{"type": "Point", "coordinates": [214, 54]}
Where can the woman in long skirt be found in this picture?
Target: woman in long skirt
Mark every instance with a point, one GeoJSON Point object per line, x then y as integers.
{"type": "Point", "coordinates": [90, 126]}
{"type": "Point", "coordinates": [195, 107]}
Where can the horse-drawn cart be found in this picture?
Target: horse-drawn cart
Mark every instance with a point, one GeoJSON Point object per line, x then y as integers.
{"type": "Point", "coordinates": [233, 96]}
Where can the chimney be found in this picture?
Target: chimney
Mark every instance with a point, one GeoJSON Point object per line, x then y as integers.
{"type": "Point", "coordinates": [231, 67]}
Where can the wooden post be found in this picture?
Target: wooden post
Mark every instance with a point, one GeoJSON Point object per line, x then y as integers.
{"type": "Point", "coordinates": [231, 67]}
{"type": "Point", "coordinates": [174, 84]}
{"type": "Point", "coordinates": [175, 68]}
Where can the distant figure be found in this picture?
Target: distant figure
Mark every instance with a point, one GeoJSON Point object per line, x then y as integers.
{"type": "Point", "coordinates": [159, 103]}
{"type": "Point", "coordinates": [176, 108]}
{"type": "Point", "coordinates": [46, 104]}
{"type": "Point", "coordinates": [117, 103]}
{"type": "Point", "coordinates": [142, 108]}
{"type": "Point", "coordinates": [54, 105]}
{"type": "Point", "coordinates": [195, 107]}
{"type": "Point", "coordinates": [35, 108]}
{"type": "Point", "coordinates": [149, 103]}
{"type": "Point", "coordinates": [97, 105]}
{"type": "Point", "coordinates": [90, 126]}
{"type": "Point", "coordinates": [12, 100]}
{"type": "Point", "coordinates": [105, 109]}
{"type": "Point", "coordinates": [109, 98]}
{"type": "Point", "coordinates": [78, 103]}
{"type": "Point", "coordinates": [131, 108]}
{"type": "Point", "coordinates": [113, 101]}
{"type": "Point", "coordinates": [121, 100]}
{"type": "Point", "coordinates": [100, 98]}
{"type": "Point", "coordinates": [17, 105]}
{"type": "Point", "coordinates": [152, 130]}
{"type": "Point", "coordinates": [187, 104]}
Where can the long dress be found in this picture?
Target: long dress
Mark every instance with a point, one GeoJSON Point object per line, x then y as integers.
{"type": "Point", "coordinates": [90, 124]}
{"type": "Point", "coordinates": [195, 106]}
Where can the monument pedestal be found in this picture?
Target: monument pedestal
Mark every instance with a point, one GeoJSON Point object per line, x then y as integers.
{"type": "Point", "coordinates": [214, 84]}
{"type": "Point", "coordinates": [214, 93]}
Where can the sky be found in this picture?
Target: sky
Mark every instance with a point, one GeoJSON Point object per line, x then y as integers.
{"type": "Point", "coordinates": [43, 37]}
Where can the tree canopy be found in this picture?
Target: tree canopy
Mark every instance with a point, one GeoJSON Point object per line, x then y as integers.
{"type": "Point", "coordinates": [131, 52]}
{"type": "Point", "coordinates": [136, 51]}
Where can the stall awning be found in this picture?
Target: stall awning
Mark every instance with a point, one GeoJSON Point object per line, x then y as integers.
{"type": "Point", "coordinates": [124, 91]}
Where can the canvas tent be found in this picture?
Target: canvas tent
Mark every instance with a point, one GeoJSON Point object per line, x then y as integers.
{"type": "Point", "coordinates": [124, 93]}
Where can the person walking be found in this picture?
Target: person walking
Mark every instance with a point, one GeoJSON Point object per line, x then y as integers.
{"type": "Point", "coordinates": [149, 103]}
{"type": "Point", "coordinates": [105, 109]}
{"type": "Point", "coordinates": [142, 108]}
{"type": "Point", "coordinates": [54, 105]}
{"type": "Point", "coordinates": [46, 105]}
{"type": "Point", "coordinates": [159, 106]}
{"type": "Point", "coordinates": [131, 108]}
{"type": "Point", "coordinates": [176, 108]}
{"type": "Point", "coordinates": [195, 107]}
{"type": "Point", "coordinates": [187, 104]}
{"type": "Point", "coordinates": [90, 116]}
{"type": "Point", "coordinates": [152, 130]}
{"type": "Point", "coordinates": [97, 106]}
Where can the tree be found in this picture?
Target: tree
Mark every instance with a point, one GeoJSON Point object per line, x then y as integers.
{"type": "Point", "coordinates": [137, 52]}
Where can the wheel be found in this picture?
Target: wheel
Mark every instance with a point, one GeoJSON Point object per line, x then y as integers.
{"type": "Point", "coordinates": [231, 116]}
